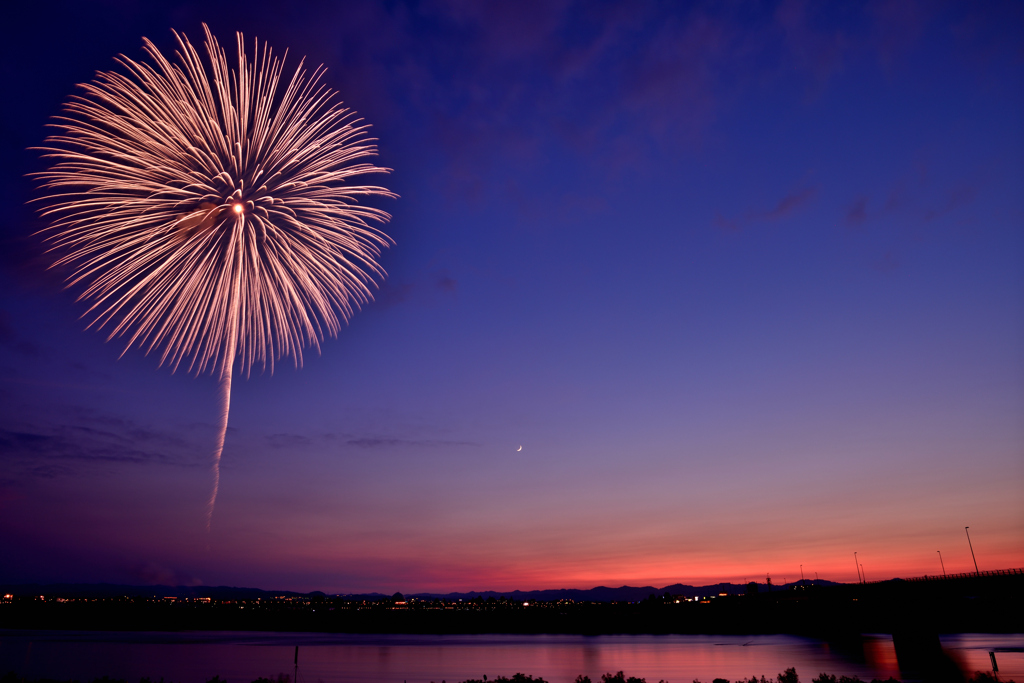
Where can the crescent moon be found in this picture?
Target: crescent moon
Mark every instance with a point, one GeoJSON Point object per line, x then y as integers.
{"type": "Point", "coordinates": [519, 449]}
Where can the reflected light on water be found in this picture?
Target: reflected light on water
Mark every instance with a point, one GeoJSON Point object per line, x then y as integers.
{"type": "Point", "coordinates": [880, 655]}
{"type": "Point", "coordinates": [970, 650]}
{"type": "Point", "coordinates": [339, 658]}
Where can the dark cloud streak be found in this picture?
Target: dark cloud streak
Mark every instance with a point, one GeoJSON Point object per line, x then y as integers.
{"type": "Point", "coordinates": [384, 442]}
{"type": "Point", "coordinates": [54, 450]}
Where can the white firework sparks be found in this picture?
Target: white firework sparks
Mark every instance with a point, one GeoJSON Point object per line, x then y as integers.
{"type": "Point", "coordinates": [206, 213]}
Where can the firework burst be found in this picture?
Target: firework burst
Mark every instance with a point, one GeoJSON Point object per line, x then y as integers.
{"type": "Point", "coordinates": [207, 213]}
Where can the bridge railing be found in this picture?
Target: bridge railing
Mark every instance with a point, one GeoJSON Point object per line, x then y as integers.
{"type": "Point", "coordinates": [966, 575]}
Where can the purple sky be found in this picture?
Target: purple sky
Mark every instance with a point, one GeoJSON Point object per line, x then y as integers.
{"type": "Point", "coordinates": [743, 279]}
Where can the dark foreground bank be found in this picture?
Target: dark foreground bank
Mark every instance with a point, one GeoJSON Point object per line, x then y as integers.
{"type": "Point", "coordinates": [992, 604]}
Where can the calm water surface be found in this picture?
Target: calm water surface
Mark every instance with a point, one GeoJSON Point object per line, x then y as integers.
{"type": "Point", "coordinates": [195, 657]}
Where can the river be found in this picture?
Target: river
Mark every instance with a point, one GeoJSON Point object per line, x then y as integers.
{"type": "Point", "coordinates": [195, 657]}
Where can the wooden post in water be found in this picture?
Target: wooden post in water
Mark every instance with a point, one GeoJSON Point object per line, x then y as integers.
{"type": "Point", "coordinates": [295, 674]}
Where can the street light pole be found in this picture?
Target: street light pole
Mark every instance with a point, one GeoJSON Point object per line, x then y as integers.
{"type": "Point", "coordinates": [941, 562]}
{"type": "Point", "coordinates": [856, 565]}
{"type": "Point", "coordinates": [972, 550]}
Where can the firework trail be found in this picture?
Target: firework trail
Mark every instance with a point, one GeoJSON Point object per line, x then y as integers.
{"type": "Point", "coordinates": [206, 213]}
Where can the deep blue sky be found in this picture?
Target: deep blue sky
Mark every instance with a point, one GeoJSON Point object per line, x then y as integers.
{"type": "Point", "coordinates": [743, 279]}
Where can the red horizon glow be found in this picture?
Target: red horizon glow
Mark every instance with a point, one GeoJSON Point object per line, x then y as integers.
{"type": "Point", "coordinates": [677, 295]}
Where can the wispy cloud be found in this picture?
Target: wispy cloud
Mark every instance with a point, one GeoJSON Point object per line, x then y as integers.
{"type": "Point", "coordinates": [790, 203]}
{"type": "Point", "coordinates": [10, 338]}
{"type": "Point", "coordinates": [447, 283]}
{"type": "Point", "coordinates": [73, 444]}
{"type": "Point", "coordinates": [955, 198]}
{"type": "Point", "coordinates": [722, 223]}
{"type": "Point", "coordinates": [785, 207]}
{"type": "Point", "coordinates": [369, 441]}
{"type": "Point", "coordinates": [290, 441]}
{"type": "Point", "coordinates": [48, 451]}
{"type": "Point", "coordinates": [394, 294]}
{"type": "Point", "coordinates": [385, 441]}
{"type": "Point", "coordinates": [857, 213]}
{"type": "Point", "coordinates": [886, 263]}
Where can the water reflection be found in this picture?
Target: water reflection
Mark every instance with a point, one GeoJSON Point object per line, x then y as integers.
{"type": "Point", "coordinates": [971, 652]}
{"type": "Point", "coordinates": [242, 657]}
{"type": "Point", "coordinates": [878, 653]}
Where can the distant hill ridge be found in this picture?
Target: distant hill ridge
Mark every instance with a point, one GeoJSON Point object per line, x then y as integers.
{"type": "Point", "coordinates": [620, 594]}
{"type": "Point", "coordinates": [598, 594]}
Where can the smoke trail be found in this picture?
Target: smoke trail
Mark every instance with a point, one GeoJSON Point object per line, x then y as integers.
{"type": "Point", "coordinates": [234, 272]}
{"type": "Point", "coordinates": [222, 429]}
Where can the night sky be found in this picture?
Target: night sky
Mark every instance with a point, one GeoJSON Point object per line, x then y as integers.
{"type": "Point", "coordinates": [743, 279]}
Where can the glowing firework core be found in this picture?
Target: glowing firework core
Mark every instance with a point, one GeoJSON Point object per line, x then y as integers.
{"type": "Point", "coordinates": [146, 166]}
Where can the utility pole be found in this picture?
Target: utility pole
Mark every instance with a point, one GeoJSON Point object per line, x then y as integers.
{"type": "Point", "coordinates": [856, 565]}
{"type": "Point", "coordinates": [941, 562]}
{"type": "Point", "coordinates": [801, 573]}
{"type": "Point", "coordinates": [976, 572]}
